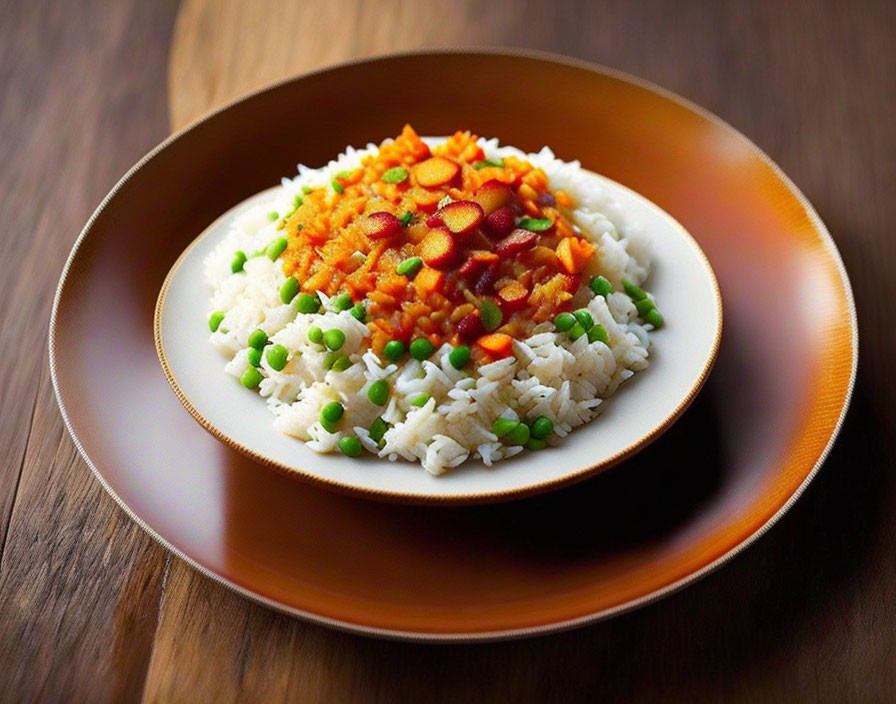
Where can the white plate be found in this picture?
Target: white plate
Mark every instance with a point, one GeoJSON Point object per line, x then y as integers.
{"type": "Point", "coordinates": [681, 355]}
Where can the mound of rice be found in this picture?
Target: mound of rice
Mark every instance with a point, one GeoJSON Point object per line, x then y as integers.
{"type": "Point", "coordinates": [548, 375]}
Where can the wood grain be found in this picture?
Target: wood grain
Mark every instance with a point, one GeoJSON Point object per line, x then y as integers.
{"type": "Point", "coordinates": [80, 584]}
{"type": "Point", "coordinates": [90, 609]}
{"type": "Point", "coordinates": [205, 73]}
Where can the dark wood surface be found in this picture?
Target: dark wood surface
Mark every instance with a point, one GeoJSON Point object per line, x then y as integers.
{"type": "Point", "coordinates": [92, 610]}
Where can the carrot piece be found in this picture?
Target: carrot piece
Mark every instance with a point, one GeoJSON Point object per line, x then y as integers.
{"type": "Point", "coordinates": [492, 195]}
{"type": "Point", "coordinates": [574, 254]}
{"type": "Point", "coordinates": [563, 227]}
{"type": "Point", "coordinates": [423, 200]}
{"type": "Point", "coordinates": [497, 344]}
{"type": "Point", "coordinates": [415, 146]}
{"type": "Point", "coordinates": [438, 249]}
{"type": "Point", "coordinates": [317, 281]}
{"type": "Point", "coordinates": [436, 171]}
{"type": "Point", "coordinates": [512, 296]}
{"type": "Point", "coordinates": [461, 216]}
{"type": "Point", "coordinates": [380, 225]}
{"type": "Point", "coordinates": [427, 281]}
{"type": "Point", "coordinates": [526, 192]}
{"type": "Point", "coordinates": [563, 199]}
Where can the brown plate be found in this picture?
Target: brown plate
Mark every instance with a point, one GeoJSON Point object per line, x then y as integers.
{"type": "Point", "coordinates": [731, 466]}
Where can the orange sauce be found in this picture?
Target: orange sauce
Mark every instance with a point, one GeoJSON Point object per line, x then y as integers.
{"type": "Point", "coordinates": [332, 248]}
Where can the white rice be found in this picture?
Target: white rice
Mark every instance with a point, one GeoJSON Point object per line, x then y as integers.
{"type": "Point", "coordinates": [548, 375]}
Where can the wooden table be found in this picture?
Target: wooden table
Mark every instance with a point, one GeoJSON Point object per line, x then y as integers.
{"type": "Point", "coordinates": [91, 609]}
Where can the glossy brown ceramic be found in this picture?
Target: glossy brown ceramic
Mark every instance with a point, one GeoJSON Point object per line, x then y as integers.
{"type": "Point", "coordinates": [734, 462]}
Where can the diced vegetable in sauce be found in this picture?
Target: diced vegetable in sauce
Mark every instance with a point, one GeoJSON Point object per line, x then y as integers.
{"type": "Point", "coordinates": [413, 231]}
{"type": "Point", "coordinates": [426, 246]}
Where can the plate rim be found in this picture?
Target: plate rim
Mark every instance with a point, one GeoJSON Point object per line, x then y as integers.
{"type": "Point", "coordinates": [467, 498]}
{"type": "Point", "coordinates": [501, 634]}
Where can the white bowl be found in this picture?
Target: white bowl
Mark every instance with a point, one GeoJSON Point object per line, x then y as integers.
{"type": "Point", "coordinates": [681, 355]}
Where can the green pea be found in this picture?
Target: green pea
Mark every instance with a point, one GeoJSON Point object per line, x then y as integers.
{"type": "Point", "coordinates": [315, 335]}
{"type": "Point", "coordinates": [307, 303]}
{"type": "Point", "coordinates": [342, 302]}
{"type": "Point", "coordinates": [350, 446]}
{"type": "Point", "coordinates": [409, 267]}
{"type": "Point", "coordinates": [214, 320]}
{"type": "Point", "coordinates": [633, 291]}
{"type": "Point", "coordinates": [254, 356]}
{"type": "Point", "coordinates": [239, 259]}
{"type": "Point", "coordinates": [334, 339]}
{"type": "Point", "coordinates": [421, 400]}
{"type": "Point", "coordinates": [332, 412]}
{"type": "Point", "coordinates": [276, 356]}
{"type": "Point", "coordinates": [491, 315]}
{"type": "Point", "coordinates": [535, 224]}
{"type": "Point", "coordinates": [273, 215]}
{"type": "Point", "coordinates": [644, 306]}
{"type": "Point", "coordinates": [359, 312]}
{"type": "Point", "coordinates": [483, 163]}
{"type": "Point", "coordinates": [576, 331]}
{"type": "Point", "coordinates": [536, 444]}
{"type": "Point", "coordinates": [251, 378]}
{"type": "Point", "coordinates": [395, 175]}
{"type": "Point", "coordinates": [519, 435]}
{"type": "Point", "coordinates": [459, 356]}
{"type": "Point", "coordinates": [406, 218]}
{"type": "Point", "coordinates": [584, 317]}
{"type": "Point", "coordinates": [502, 426]}
{"type": "Point", "coordinates": [341, 364]}
{"type": "Point", "coordinates": [378, 428]}
{"type": "Point", "coordinates": [378, 393]}
{"type": "Point", "coordinates": [307, 189]}
{"type": "Point", "coordinates": [258, 339]}
{"type": "Point", "coordinates": [338, 187]}
{"type": "Point", "coordinates": [297, 202]}
{"type": "Point", "coordinates": [654, 317]}
{"type": "Point", "coordinates": [289, 289]}
{"type": "Point", "coordinates": [328, 426]}
{"type": "Point", "coordinates": [542, 427]}
{"type": "Point", "coordinates": [276, 248]}
{"type": "Point", "coordinates": [330, 359]}
{"type": "Point", "coordinates": [393, 350]}
{"type": "Point", "coordinates": [601, 286]}
{"type": "Point", "coordinates": [564, 321]}
{"type": "Point", "coordinates": [598, 332]}
{"type": "Point", "coordinates": [421, 349]}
